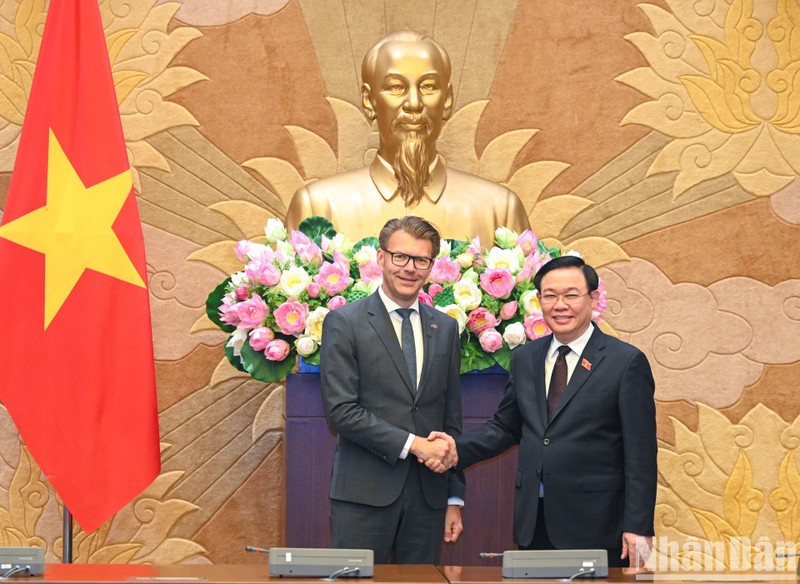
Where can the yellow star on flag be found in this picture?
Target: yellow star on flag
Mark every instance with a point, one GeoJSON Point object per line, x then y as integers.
{"type": "Point", "coordinates": [74, 230]}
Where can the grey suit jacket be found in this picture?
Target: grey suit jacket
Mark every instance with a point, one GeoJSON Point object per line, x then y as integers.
{"type": "Point", "coordinates": [596, 457]}
{"type": "Point", "coordinates": [370, 403]}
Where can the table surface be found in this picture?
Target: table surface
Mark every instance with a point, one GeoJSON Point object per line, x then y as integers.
{"type": "Point", "coordinates": [411, 574]}
{"type": "Point", "coordinates": [213, 573]}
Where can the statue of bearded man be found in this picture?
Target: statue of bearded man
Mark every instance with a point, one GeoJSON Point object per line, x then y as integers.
{"type": "Point", "coordinates": [406, 88]}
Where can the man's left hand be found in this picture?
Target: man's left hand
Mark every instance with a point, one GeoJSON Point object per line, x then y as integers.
{"type": "Point", "coordinates": [452, 523]}
{"type": "Point", "coordinates": [636, 548]}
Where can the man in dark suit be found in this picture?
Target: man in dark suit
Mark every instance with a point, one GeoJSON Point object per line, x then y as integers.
{"type": "Point", "coordinates": [585, 425]}
{"type": "Point", "coordinates": [390, 376]}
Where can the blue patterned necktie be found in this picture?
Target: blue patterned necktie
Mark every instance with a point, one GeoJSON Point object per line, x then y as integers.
{"type": "Point", "coordinates": [558, 382]}
{"type": "Point", "coordinates": [407, 341]}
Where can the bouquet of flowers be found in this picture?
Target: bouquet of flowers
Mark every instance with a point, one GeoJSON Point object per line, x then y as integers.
{"type": "Point", "coordinates": [274, 308]}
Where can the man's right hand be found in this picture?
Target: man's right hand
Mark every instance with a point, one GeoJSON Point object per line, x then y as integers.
{"type": "Point", "coordinates": [437, 451]}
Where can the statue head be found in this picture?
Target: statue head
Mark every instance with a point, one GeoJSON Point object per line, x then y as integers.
{"type": "Point", "coordinates": [406, 89]}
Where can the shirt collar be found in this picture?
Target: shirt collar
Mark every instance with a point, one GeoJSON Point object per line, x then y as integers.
{"type": "Point", "coordinates": [577, 346]}
{"type": "Point", "coordinates": [383, 176]}
{"type": "Point", "coordinates": [391, 305]}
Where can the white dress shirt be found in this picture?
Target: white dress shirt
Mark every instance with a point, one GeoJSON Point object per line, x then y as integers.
{"type": "Point", "coordinates": [576, 348]}
{"type": "Point", "coordinates": [416, 325]}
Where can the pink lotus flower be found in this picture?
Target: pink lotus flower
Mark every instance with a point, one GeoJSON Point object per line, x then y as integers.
{"type": "Point", "coordinates": [535, 327]}
{"type": "Point", "coordinates": [497, 282]}
{"type": "Point", "coordinates": [306, 249]}
{"type": "Point", "coordinates": [311, 254]}
{"type": "Point", "coordinates": [445, 270]}
{"type": "Point", "coordinates": [527, 241]}
{"type": "Point", "coordinates": [481, 319]}
{"type": "Point", "coordinates": [266, 254]}
{"type": "Point", "coordinates": [602, 301]}
{"type": "Point", "coordinates": [425, 298]}
{"type": "Point", "coordinates": [339, 258]}
{"type": "Point", "coordinates": [241, 292]}
{"type": "Point", "coordinates": [313, 290]}
{"type": "Point", "coordinates": [299, 240]}
{"type": "Point", "coordinates": [336, 302]}
{"type": "Point", "coordinates": [490, 340]}
{"type": "Point", "coordinates": [475, 246]}
{"type": "Point", "coordinates": [241, 250]}
{"type": "Point", "coordinates": [508, 310]}
{"type": "Point", "coordinates": [263, 272]}
{"type": "Point", "coordinates": [434, 289]}
{"type": "Point", "coordinates": [334, 278]}
{"type": "Point", "coordinates": [529, 267]}
{"type": "Point", "coordinates": [291, 317]}
{"type": "Point", "coordinates": [277, 350]}
{"type": "Point", "coordinates": [370, 271]}
{"type": "Point", "coordinates": [229, 312]}
{"type": "Point", "coordinates": [252, 312]}
{"type": "Point", "coordinates": [260, 338]}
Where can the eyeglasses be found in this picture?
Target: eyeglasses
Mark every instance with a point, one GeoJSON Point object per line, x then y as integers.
{"type": "Point", "coordinates": [402, 259]}
{"type": "Point", "coordinates": [569, 298]}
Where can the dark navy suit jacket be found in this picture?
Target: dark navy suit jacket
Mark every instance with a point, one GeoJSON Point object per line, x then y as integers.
{"type": "Point", "coordinates": [596, 458]}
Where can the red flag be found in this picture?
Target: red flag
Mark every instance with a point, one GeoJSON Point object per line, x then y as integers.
{"type": "Point", "coordinates": [76, 352]}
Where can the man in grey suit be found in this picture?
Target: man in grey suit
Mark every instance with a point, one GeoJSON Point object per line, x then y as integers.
{"type": "Point", "coordinates": [580, 405]}
{"type": "Point", "coordinates": [390, 377]}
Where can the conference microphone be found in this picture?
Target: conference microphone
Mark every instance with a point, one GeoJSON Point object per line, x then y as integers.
{"type": "Point", "coordinates": [249, 548]}
{"type": "Point", "coordinates": [490, 555]}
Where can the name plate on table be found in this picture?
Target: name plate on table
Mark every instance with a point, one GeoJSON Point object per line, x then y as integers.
{"type": "Point", "coordinates": [321, 562]}
{"type": "Point", "coordinates": [555, 564]}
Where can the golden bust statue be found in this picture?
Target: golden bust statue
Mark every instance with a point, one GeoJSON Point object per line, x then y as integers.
{"type": "Point", "coordinates": [406, 88]}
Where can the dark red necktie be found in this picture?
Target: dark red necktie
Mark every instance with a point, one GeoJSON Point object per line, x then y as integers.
{"type": "Point", "coordinates": [558, 382]}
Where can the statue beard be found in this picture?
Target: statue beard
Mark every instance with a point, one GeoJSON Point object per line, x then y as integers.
{"type": "Point", "coordinates": [411, 167]}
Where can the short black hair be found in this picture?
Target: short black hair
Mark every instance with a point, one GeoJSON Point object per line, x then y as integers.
{"type": "Point", "coordinates": [567, 261]}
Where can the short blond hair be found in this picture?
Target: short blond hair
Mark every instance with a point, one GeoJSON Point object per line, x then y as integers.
{"type": "Point", "coordinates": [415, 226]}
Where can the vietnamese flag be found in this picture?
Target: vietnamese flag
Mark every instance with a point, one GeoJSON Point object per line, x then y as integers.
{"type": "Point", "coordinates": [76, 351]}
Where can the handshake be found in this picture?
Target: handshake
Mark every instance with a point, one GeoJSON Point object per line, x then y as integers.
{"type": "Point", "coordinates": [437, 451]}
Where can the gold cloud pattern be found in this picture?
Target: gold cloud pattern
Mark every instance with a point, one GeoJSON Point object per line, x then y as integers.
{"type": "Point", "coordinates": [695, 356]}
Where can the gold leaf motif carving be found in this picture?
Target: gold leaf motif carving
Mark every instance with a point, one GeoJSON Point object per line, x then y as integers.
{"type": "Point", "coordinates": [27, 496]}
{"type": "Point", "coordinates": [741, 501]}
{"type": "Point", "coordinates": [140, 45]}
{"type": "Point", "coordinates": [714, 483]}
{"type": "Point", "coordinates": [785, 499]}
{"type": "Point", "coordinates": [717, 91]}
{"type": "Point", "coordinates": [153, 517]}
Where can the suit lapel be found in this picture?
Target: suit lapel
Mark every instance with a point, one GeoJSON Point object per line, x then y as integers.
{"type": "Point", "coordinates": [430, 330]}
{"type": "Point", "coordinates": [539, 390]}
{"type": "Point", "coordinates": [587, 363]}
{"type": "Point", "coordinates": [381, 322]}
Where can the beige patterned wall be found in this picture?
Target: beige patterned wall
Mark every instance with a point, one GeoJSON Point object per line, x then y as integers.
{"type": "Point", "coordinates": [661, 139]}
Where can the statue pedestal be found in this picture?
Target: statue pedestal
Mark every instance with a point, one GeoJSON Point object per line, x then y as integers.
{"type": "Point", "coordinates": [310, 444]}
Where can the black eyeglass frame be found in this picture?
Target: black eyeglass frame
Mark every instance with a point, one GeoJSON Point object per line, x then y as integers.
{"type": "Point", "coordinates": [428, 262]}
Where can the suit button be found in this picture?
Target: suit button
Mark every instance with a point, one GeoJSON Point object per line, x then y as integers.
{"type": "Point", "coordinates": [416, 409]}
{"type": "Point", "coordinates": [546, 441]}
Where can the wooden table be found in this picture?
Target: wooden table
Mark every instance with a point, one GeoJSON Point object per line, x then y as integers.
{"type": "Point", "coordinates": [389, 574]}
{"type": "Point", "coordinates": [215, 573]}
{"type": "Point", "coordinates": [492, 575]}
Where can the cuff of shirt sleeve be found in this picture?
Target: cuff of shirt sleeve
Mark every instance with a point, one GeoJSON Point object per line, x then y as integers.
{"type": "Point", "coordinates": [455, 501]}
{"type": "Point", "coordinates": [407, 447]}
